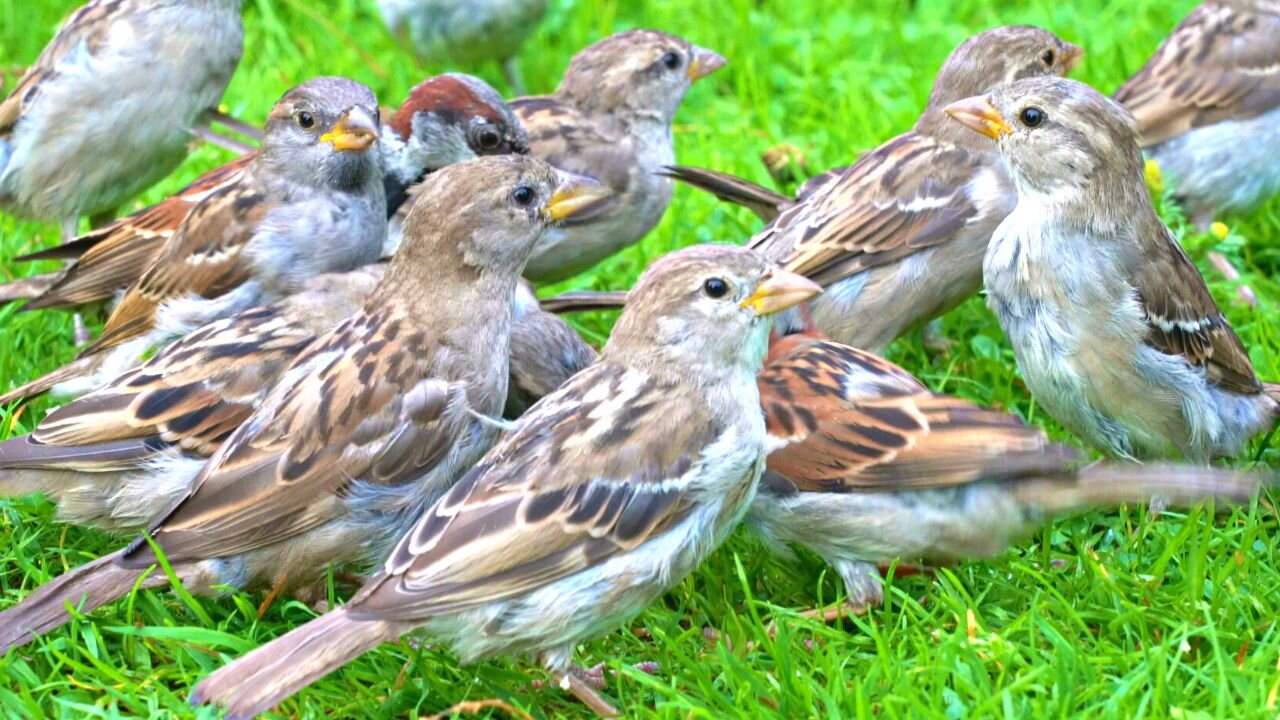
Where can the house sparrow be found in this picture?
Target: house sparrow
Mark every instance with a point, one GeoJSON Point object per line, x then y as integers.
{"type": "Point", "coordinates": [610, 491]}
{"type": "Point", "coordinates": [445, 119]}
{"type": "Point", "coordinates": [310, 201]}
{"type": "Point", "coordinates": [370, 424]}
{"type": "Point", "coordinates": [610, 119]}
{"type": "Point", "coordinates": [870, 467]}
{"type": "Point", "coordinates": [1215, 80]}
{"type": "Point", "coordinates": [471, 32]}
{"type": "Point", "coordinates": [96, 456]}
{"type": "Point", "coordinates": [109, 106]}
{"type": "Point", "coordinates": [897, 238]}
{"type": "Point", "coordinates": [1115, 332]}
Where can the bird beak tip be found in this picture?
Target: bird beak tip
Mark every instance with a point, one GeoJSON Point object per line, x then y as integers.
{"type": "Point", "coordinates": [979, 115]}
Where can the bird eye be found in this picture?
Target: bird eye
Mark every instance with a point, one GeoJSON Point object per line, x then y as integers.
{"type": "Point", "coordinates": [1047, 56]}
{"type": "Point", "coordinates": [523, 196]}
{"type": "Point", "coordinates": [671, 60]}
{"type": "Point", "coordinates": [489, 139]}
{"type": "Point", "coordinates": [305, 120]}
{"type": "Point", "coordinates": [715, 288]}
{"type": "Point", "coordinates": [1031, 116]}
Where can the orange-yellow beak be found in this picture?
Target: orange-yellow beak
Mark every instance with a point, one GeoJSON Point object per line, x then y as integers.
{"type": "Point", "coordinates": [978, 114]}
{"type": "Point", "coordinates": [704, 63]}
{"type": "Point", "coordinates": [780, 290]}
{"type": "Point", "coordinates": [1071, 57]}
{"type": "Point", "coordinates": [356, 131]}
{"type": "Point", "coordinates": [573, 194]}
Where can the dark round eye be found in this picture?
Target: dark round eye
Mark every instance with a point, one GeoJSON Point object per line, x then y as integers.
{"type": "Point", "coordinates": [715, 287]}
{"type": "Point", "coordinates": [671, 60]}
{"type": "Point", "coordinates": [1047, 56]}
{"type": "Point", "coordinates": [523, 196]}
{"type": "Point", "coordinates": [1031, 116]}
{"type": "Point", "coordinates": [489, 139]}
{"type": "Point", "coordinates": [305, 120]}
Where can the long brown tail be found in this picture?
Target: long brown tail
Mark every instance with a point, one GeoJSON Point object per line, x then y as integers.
{"type": "Point", "coordinates": [88, 587]}
{"type": "Point", "coordinates": [29, 287]}
{"type": "Point", "coordinates": [260, 680]}
{"type": "Point", "coordinates": [1108, 483]}
{"type": "Point", "coordinates": [43, 384]}
{"type": "Point", "coordinates": [585, 301]}
{"type": "Point", "coordinates": [762, 201]}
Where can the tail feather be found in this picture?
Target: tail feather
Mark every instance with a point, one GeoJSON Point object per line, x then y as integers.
{"type": "Point", "coordinates": [1105, 484]}
{"type": "Point", "coordinates": [762, 201]}
{"type": "Point", "coordinates": [584, 301]}
{"type": "Point", "coordinates": [28, 288]}
{"type": "Point", "coordinates": [72, 249]}
{"type": "Point", "coordinates": [76, 368]}
{"type": "Point", "coordinates": [262, 679]}
{"type": "Point", "coordinates": [87, 587]}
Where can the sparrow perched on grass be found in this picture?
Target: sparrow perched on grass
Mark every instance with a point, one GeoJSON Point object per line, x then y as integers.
{"type": "Point", "coordinates": [1113, 327]}
{"type": "Point", "coordinates": [96, 456]}
{"type": "Point", "coordinates": [474, 31]}
{"type": "Point", "coordinates": [1212, 82]}
{"type": "Point", "coordinates": [897, 238]}
{"type": "Point", "coordinates": [610, 491]}
{"type": "Point", "coordinates": [310, 201]}
{"type": "Point", "coordinates": [445, 119]}
{"type": "Point", "coordinates": [372, 422]}
{"type": "Point", "coordinates": [610, 119]}
{"type": "Point", "coordinates": [109, 106]}
{"type": "Point", "coordinates": [870, 467]}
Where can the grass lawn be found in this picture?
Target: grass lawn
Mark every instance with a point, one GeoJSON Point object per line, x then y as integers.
{"type": "Point", "coordinates": [1106, 615]}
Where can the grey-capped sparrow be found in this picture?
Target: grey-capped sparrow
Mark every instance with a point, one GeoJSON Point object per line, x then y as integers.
{"type": "Point", "coordinates": [466, 31]}
{"type": "Point", "coordinates": [1113, 327]}
{"type": "Point", "coordinates": [445, 119]}
{"type": "Point", "coordinates": [97, 456]}
{"type": "Point", "coordinates": [897, 238]}
{"type": "Point", "coordinates": [610, 491]}
{"type": "Point", "coordinates": [373, 421]}
{"type": "Point", "coordinates": [1212, 82]}
{"type": "Point", "coordinates": [109, 106]}
{"type": "Point", "coordinates": [309, 201]}
{"type": "Point", "coordinates": [869, 467]}
{"type": "Point", "coordinates": [610, 119]}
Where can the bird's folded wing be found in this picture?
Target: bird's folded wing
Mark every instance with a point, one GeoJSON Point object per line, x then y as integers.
{"type": "Point", "coordinates": [848, 421]}
{"type": "Point", "coordinates": [815, 184]}
{"type": "Point", "coordinates": [1182, 317]}
{"type": "Point", "coordinates": [595, 470]}
{"type": "Point", "coordinates": [341, 414]}
{"type": "Point", "coordinates": [567, 140]}
{"type": "Point", "coordinates": [1219, 64]}
{"type": "Point", "coordinates": [908, 195]}
{"type": "Point", "coordinates": [114, 257]}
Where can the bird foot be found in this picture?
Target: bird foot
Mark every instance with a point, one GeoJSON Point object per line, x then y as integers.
{"type": "Point", "coordinates": [584, 684]}
{"type": "Point", "coordinates": [934, 340]}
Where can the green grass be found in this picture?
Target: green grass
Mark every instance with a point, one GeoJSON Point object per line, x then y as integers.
{"type": "Point", "coordinates": [1106, 615]}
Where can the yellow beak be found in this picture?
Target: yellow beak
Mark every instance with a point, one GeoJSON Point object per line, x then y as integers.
{"type": "Point", "coordinates": [573, 195]}
{"type": "Point", "coordinates": [704, 63]}
{"type": "Point", "coordinates": [780, 290]}
{"type": "Point", "coordinates": [356, 130]}
{"type": "Point", "coordinates": [978, 114]}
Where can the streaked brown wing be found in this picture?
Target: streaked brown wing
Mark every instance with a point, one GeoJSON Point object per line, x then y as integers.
{"type": "Point", "coordinates": [1220, 63]}
{"type": "Point", "coordinates": [565, 139]}
{"type": "Point", "coordinates": [849, 421]}
{"type": "Point", "coordinates": [908, 195]}
{"type": "Point", "coordinates": [573, 487]}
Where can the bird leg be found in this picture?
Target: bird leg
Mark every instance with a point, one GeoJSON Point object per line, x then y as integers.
{"type": "Point", "coordinates": [70, 228]}
{"type": "Point", "coordinates": [512, 74]}
{"type": "Point", "coordinates": [933, 339]}
{"type": "Point", "coordinates": [584, 685]}
{"type": "Point", "coordinates": [1229, 271]}
{"type": "Point", "coordinates": [79, 333]}
{"type": "Point", "coordinates": [271, 596]}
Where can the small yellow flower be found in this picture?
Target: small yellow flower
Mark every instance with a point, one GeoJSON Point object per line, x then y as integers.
{"type": "Point", "coordinates": [1155, 178]}
{"type": "Point", "coordinates": [1219, 230]}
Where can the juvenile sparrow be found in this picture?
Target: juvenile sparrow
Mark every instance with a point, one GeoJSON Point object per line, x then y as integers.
{"type": "Point", "coordinates": [309, 201]}
{"type": "Point", "coordinates": [445, 119]}
{"type": "Point", "coordinates": [870, 467]}
{"type": "Point", "coordinates": [1213, 81]}
{"type": "Point", "coordinates": [371, 423]}
{"type": "Point", "coordinates": [610, 119]}
{"type": "Point", "coordinates": [898, 237]}
{"type": "Point", "coordinates": [1115, 332]}
{"type": "Point", "coordinates": [96, 457]}
{"type": "Point", "coordinates": [470, 32]}
{"type": "Point", "coordinates": [109, 106]}
{"type": "Point", "coordinates": [610, 491]}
